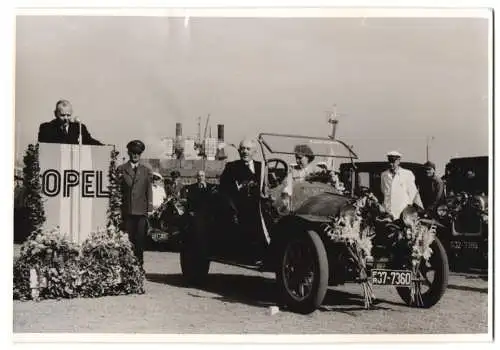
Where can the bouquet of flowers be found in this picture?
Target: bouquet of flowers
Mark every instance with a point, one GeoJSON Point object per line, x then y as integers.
{"type": "Point", "coordinates": [357, 233]}
{"type": "Point", "coordinates": [420, 238]}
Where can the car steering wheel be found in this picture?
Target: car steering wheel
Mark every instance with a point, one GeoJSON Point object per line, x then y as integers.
{"type": "Point", "coordinates": [276, 174]}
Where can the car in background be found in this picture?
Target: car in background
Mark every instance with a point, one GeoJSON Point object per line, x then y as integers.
{"type": "Point", "coordinates": [359, 176]}
{"type": "Point", "coordinates": [465, 212]}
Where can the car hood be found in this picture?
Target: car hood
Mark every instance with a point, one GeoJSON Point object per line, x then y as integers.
{"type": "Point", "coordinates": [321, 207]}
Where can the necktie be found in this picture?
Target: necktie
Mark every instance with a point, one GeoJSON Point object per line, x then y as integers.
{"type": "Point", "coordinates": [249, 166]}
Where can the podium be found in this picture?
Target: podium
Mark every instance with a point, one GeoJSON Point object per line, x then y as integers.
{"type": "Point", "coordinates": [74, 181]}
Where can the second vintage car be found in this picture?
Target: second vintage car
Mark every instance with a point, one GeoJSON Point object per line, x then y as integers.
{"type": "Point", "coordinates": [465, 212]}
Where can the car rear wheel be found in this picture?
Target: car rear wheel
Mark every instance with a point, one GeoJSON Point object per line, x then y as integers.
{"type": "Point", "coordinates": [302, 272]}
{"type": "Point", "coordinates": [434, 278]}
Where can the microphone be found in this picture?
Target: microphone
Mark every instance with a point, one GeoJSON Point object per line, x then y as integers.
{"type": "Point", "coordinates": [76, 119]}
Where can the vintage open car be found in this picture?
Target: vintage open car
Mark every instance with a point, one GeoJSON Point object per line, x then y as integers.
{"type": "Point", "coordinates": [465, 212]}
{"type": "Point", "coordinates": [297, 243]}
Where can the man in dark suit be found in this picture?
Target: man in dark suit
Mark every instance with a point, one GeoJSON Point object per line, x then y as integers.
{"type": "Point", "coordinates": [241, 178]}
{"type": "Point", "coordinates": [431, 188]}
{"type": "Point", "coordinates": [240, 184]}
{"type": "Point", "coordinates": [62, 130]}
{"type": "Point", "coordinates": [199, 192]}
{"type": "Point", "coordinates": [137, 197]}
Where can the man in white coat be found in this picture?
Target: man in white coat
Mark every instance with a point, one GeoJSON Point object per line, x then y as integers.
{"type": "Point", "coordinates": [398, 187]}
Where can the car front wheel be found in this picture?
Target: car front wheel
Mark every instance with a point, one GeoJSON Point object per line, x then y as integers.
{"type": "Point", "coordinates": [434, 278]}
{"type": "Point", "coordinates": [302, 272]}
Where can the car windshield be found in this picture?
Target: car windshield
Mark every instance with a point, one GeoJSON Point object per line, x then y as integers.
{"type": "Point", "coordinates": [322, 148]}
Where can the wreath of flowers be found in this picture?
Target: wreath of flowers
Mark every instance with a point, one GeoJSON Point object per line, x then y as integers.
{"type": "Point", "coordinates": [50, 266]}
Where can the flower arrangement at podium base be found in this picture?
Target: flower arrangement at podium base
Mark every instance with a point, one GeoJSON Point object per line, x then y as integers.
{"type": "Point", "coordinates": [51, 266]}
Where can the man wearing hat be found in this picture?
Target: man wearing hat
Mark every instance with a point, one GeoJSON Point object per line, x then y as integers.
{"type": "Point", "coordinates": [398, 186]}
{"type": "Point", "coordinates": [431, 188]}
{"type": "Point", "coordinates": [173, 185]}
{"type": "Point", "coordinates": [137, 197]}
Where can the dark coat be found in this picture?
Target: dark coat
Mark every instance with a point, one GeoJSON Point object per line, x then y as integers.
{"type": "Point", "coordinates": [431, 192]}
{"type": "Point", "coordinates": [52, 132]}
{"type": "Point", "coordinates": [237, 176]}
{"type": "Point", "coordinates": [196, 196]}
{"type": "Point", "coordinates": [137, 190]}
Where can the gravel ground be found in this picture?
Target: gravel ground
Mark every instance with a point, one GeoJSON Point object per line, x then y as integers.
{"type": "Point", "coordinates": [236, 301]}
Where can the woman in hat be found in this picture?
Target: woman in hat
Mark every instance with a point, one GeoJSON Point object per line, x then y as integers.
{"type": "Point", "coordinates": [159, 193]}
{"type": "Point", "coordinates": [304, 166]}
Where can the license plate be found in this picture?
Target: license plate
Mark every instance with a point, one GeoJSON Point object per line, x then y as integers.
{"type": "Point", "coordinates": [159, 236]}
{"type": "Point", "coordinates": [464, 245]}
{"type": "Point", "coordinates": [391, 277]}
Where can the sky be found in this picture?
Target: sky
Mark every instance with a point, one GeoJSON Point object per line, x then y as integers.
{"type": "Point", "coordinates": [395, 81]}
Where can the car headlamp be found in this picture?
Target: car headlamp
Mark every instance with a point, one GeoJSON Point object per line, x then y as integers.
{"type": "Point", "coordinates": [442, 210]}
{"type": "Point", "coordinates": [409, 216]}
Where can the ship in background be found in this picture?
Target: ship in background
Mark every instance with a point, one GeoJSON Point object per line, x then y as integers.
{"type": "Point", "coordinates": [188, 155]}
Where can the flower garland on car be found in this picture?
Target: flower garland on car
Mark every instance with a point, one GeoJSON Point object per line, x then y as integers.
{"type": "Point", "coordinates": [50, 266]}
{"type": "Point", "coordinates": [419, 238]}
{"type": "Point", "coordinates": [355, 227]}
{"type": "Point", "coordinates": [351, 228]}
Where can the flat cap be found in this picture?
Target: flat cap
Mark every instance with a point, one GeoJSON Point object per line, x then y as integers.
{"type": "Point", "coordinates": [394, 154]}
{"type": "Point", "coordinates": [429, 164]}
{"type": "Point", "coordinates": [136, 146]}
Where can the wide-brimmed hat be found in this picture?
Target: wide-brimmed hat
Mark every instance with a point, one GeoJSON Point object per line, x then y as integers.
{"type": "Point", "coordinates": [303, 150]}
{"type": "Point", "coordinates": [157, 176]}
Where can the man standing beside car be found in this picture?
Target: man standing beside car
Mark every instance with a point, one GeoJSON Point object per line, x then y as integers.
{"type": "Point", "coordinates": [199, 192]}
{"type": "Point", "coordinates": [240, 185]}
{"type": "Point", "coordinates": [240, 180]}
{"type": "Point", "coordinates": [398, 187]}
{"type": "Point", "coordinates": [431, 188]}
{"type": "Point", "coordinates": [137, 194]}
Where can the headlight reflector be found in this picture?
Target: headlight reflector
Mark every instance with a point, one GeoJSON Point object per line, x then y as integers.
{"type": "Point", "coordinates": [442, 210]}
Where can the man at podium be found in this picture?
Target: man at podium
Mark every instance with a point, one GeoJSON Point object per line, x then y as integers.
{"type": "Point", "coordinates": [62, 130]}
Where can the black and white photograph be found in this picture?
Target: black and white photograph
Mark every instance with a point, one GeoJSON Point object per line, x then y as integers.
{"type": "Point", "coordinates": [322, 172]}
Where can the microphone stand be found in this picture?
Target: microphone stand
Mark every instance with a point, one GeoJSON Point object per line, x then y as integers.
{"type": "Point", "coordinates": [80, 140]}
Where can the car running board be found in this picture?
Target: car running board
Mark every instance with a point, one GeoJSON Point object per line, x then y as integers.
{"type": "Point", "coordinates": [255, 267]}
